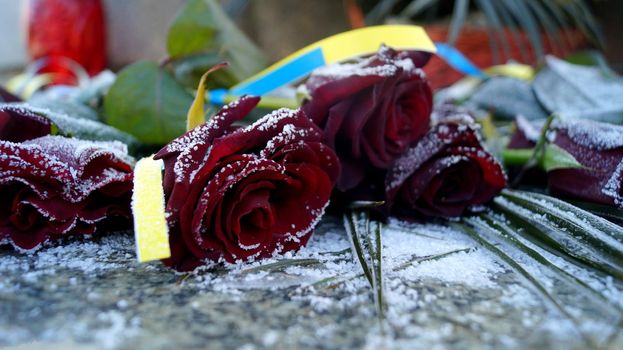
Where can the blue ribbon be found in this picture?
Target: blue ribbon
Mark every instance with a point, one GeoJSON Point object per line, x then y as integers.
{"type": "Point", "coordinates": [305, 64]}
{"type": "Point", "coordinates": [458, 61]}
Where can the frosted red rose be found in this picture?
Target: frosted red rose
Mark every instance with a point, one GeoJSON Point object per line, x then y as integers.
{"type": "Point", "coordinates": [445, 173]}
{"type": "Point", "coordinates": [597, 146]}
{"type": "Point", "coordinates": [236, 193]}
{"type": "Point", "coordinates": [370, 111]}
{"type": "Point", "coordinates": [53, 187]}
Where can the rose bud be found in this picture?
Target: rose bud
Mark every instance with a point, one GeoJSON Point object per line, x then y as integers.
{"type": "Point", "coordinates": [53, 187]}
{"type": "Point", "coordinates": [445, 173]}
{"type": "Point", "coordinates": [245, 193]}
{"type": "Point", "coordinates": [599, 148]}
{"type": "Point", "coordinates": [370, 111]}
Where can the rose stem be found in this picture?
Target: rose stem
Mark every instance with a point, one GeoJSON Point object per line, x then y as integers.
{"type": "Point", "coordinates": [517, 156]}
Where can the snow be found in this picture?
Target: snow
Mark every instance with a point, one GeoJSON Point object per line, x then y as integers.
{"type": "Point", "coordinates": [427, 302]}
{"type": "Point", "coordinates": [81, 128]}
{"type": "Point", "coordinates": [612, 188]}
{"type": "Point", "coordinates": [532, 130]}
{"type": "Point", "coordinates": [371, 66]}
{"type": "Point", "coordinates": [592, 134]}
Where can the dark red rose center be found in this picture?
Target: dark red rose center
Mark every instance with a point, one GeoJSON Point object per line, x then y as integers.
{"type": "Point", "coordinates": [459, 183]}
{"type": "Point", "coordinates": [255, 212]}
{"type": "Point", "coordinates": [452, 190]}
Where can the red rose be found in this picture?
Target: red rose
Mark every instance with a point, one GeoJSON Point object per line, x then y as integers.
{"type": "Point", "coordinates": [53, 187]}
{"type": "Point", "coordinates": [445, 173]}
{"type": "Point", "coordinates": [244, 193]}
{"type": "Point", "coordinates": [370, 111]}
{"type": "Point", "coordinates": [597, 146]}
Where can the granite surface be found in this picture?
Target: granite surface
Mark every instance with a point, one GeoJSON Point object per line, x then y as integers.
{"type": "Point", "coordinates": [92, 294]}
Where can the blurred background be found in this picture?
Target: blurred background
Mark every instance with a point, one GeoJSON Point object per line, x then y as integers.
{"type": "Point", "coordinates": [487, 31]}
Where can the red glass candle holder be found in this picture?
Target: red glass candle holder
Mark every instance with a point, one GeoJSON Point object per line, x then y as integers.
{"type": "Point", "coordinates": [67, 29]}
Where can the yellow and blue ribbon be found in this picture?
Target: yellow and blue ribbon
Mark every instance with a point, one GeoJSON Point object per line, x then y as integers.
{"type": "Point", "coordinates": [336, 48]}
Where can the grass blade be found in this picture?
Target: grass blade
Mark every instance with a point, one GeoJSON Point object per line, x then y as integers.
{"type": "Point", "coordinates": [351, 225]}
{"type": "Point", "coordinates": [414, 260]}
{"type": "Point", "coordinates": [281, 265]}
{"type": "Point", "coordinates": [377, 274]}
{"type": "Point", "coordinates": [419, 259]}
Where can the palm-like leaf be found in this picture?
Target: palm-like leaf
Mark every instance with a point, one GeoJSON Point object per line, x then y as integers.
{"type": "Point", "coordinates": [533, 17]}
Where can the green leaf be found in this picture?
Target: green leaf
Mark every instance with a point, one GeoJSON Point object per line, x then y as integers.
{"type": "Point", "coordinates": [516, 157]}
{"type": "Point", "coordinates": [574, 91]}
{"type": "Point", "coordinates": [545, 228]}
{"type": "Point", "coordinates": [202, 27]}
{"type": "Point", "coordinates": [496, 230]}
{"type": "Point", "coordinates": [608, 212]}
{"type": "Point", "coordinates": [508, 98]}
{"type": "Point", "coordinates": [594, 226]}
{"type": "Point", "coordinates": [85, 129]}
{"type": "Point", "coordinates": [68, 107]}
{"type": "Point", "coordinates": [148, 103]}
{"type": "Point", "coordinates": [555, 157]}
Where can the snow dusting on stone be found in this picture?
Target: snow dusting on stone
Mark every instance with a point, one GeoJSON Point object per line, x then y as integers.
{"type": "Point", "coordinates": [467, 298]}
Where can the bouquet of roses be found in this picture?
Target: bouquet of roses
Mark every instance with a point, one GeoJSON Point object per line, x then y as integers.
{"type": "Point", "coordinates": [365, 133]}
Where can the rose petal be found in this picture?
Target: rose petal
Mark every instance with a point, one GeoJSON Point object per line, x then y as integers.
{"type": "Point", "coordinates": [18, 124]}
